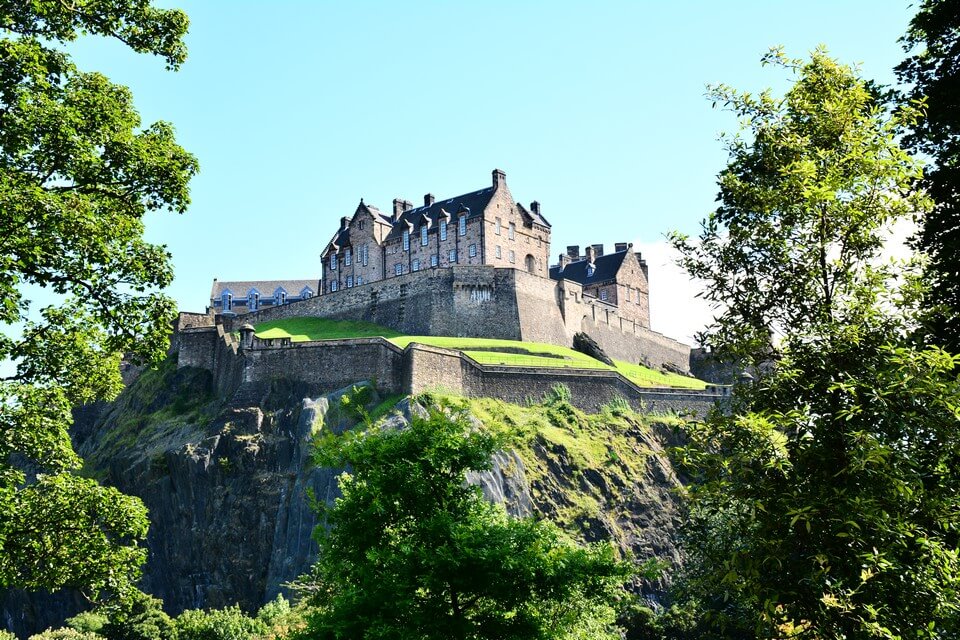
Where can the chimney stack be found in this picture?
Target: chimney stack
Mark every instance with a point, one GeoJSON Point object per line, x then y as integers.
{"type": "Point", "coordinates": [344, 222]}
{"type": "Point", "coordinates": [499, 177]}
{"type": "Point", "coordinates": [399, 206]}
{"type": "Point", "coordinates": [591, 253]}
{"type": "Point", "coordinates": [573, 252]}
{"type": "Point", "coordinates": [428, 200]}
{"type": "Point", "coordinates": [564, 261]}
{"type": "Point", "coordinates": [535, 207]}
{"type": "Point", "coordinates": [620, 246]}
{"type": "Point", "coordinates": [598, 250]}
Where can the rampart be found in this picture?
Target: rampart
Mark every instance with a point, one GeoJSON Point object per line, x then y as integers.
{"type": "Point", "coordinates": [326, 365]}
{"type": "Point", "coordinates": [486, 302]}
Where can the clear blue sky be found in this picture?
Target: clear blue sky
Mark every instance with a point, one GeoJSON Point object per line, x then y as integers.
{"type": "Point", "coordinates": [296, 110]}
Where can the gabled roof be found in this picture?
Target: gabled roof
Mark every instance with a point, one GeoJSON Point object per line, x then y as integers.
{"type": "Point", "coordinates": [473, 203]}
{"type": "Point", "coordinates": [605, 268]}
{"type": "Point", "coordinates": [533, 217]}
{"type": "Point", "coordinates": [239, 288]}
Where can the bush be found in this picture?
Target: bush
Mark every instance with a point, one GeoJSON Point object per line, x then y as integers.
{"type": "Point", "coordinates": [219, 624]}
{"type": "Point", "coordinates": [273, 611]}
{"type": "Point", "coordinates": [64, 633]}
{"type": "Point", "coordinates": [139, 618]}
{"type": "Point", "coordinates": [87, 621]}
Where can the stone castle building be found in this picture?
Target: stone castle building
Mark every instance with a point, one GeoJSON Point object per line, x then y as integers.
{"type": "Point", "coordinates": [487, 227]}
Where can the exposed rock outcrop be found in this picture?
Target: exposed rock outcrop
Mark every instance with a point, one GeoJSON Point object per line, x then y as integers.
{"type": "Point", "coordinates": [585, 344]}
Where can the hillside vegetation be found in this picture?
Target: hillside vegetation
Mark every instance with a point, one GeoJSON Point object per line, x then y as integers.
{"type": "Point", "coordinates": [483, 350]}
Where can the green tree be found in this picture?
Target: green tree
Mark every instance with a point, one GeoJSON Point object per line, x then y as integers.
{"type": "Point", "coordinates": [229, 623]}
{"type": "Point", "coordinates": [933, 73]}
{"type": "Point", "coordinates": [77, 174]}
{"type": "Point", "coordinates": [414, 552]}
{"type": "Point", "coordinates": [812, 182]}
{"type": "Point", "coordinates": [825, 503]}
{"type": "Point", "coordinates": [138, 617]}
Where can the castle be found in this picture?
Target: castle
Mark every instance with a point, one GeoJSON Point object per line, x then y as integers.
{"type": "Point", "coordinates": [475, 265]}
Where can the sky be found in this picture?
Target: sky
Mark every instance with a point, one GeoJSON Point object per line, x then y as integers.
{"type": "Point", "coordinates": [296, 110]}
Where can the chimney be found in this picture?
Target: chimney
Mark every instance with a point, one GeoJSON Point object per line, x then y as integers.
{"type": "Point", "coordinates": [499, 177]}
{"type": "Point", "coordinates": [573, 251]}
{"type": "Point", "coordinates": [344, 222]}
{"type": "Point", "coordinates": [591, 253]}
{"type": "Point", "coordinates": [428, 200]}
{"type": "Point", "coordinates": [399, 206]}
{"type": "Point", "coordinates": [598, 250]}
{"type": "Point", "coordinates": [620, 246]}
{"type": "Point", "coordinates": [535, 207]}
{"type": "Point", "coordinates": [564, 261]}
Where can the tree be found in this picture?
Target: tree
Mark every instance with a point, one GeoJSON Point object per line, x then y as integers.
{"type": "Point", "coordinates": [824, 504]}
{"type": "Point", "coordinates": [933, 72]}
{"type": "Point", "coordinates": [803, 203]}
{"type": "Point", "coordinates": [77, 175]}
{"type": "Point", "coordinates": [413, 551]}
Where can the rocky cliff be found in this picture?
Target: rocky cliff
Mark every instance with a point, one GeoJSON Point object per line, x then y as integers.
{"type": "Point", "coordinates": [229, 482]}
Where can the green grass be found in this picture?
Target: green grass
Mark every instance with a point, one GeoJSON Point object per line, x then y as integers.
{"type": "Point", "coordinates": [487, 351]}
{"type": "Point", "coordinates": [309, 329]}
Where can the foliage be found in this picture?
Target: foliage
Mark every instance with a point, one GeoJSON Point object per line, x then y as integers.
{"type": "Point", "coordinates": [77, 175]}
{"type": "Point", "coordinates": [804, 201]}
{"type": "Point", "coordinates": [933, 72]}
{"type": "Point", "coordinates": [87, 621]}
{"type": "Point", "coordinates": [229, 623]}
{"type": "Point", "coordinates": [6, 635]}
{"type": "Point", "coordinates": [275, 610]}
{"type": "Point", "coordinates": [825, 503]}
{"type": "Point", "coordinates": [138, 617]}
{"type": "Point", "coordinates": [66, 633]}
{"type": "Point", "coordinates": [413, 551]}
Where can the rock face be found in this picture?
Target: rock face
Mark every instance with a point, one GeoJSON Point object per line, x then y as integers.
{"type": "Point", "coordinates": [585, 344]}
{"type": "Point", "coordinates": [229, 483]}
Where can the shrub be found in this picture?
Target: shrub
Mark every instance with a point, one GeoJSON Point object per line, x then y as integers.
{"type": "Point", "coordinates": [87, 621]}
{"type": "Point", "coordinates": [218, 624]}
{"type": "Point", "coordinates": [558, 393]}
{"type": "Point", "coordinates": [63, 633]}
{"type": "Point", "coordinates": [274, 610]}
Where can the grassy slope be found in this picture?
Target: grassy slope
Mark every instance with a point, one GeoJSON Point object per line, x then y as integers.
{"type": "Point", "coordinates": [483, 350]}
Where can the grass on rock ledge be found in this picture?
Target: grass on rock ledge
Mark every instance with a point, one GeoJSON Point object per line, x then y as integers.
{"type": "Point", "coordinates": [487, 351]}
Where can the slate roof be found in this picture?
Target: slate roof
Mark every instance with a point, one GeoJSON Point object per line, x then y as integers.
{"type": "Point", "coordinates": [605, 269]}
{"type": "Point", "coordinates": [474, 203]}
{"type": "Point", "coordinates": [535, 217]}
{"type": "Point", "coordinates": [240, 288]}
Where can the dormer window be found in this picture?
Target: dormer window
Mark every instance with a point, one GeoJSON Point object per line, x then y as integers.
{"type": "Point", "coordinates": [226, 301]}
{"type": "Point", "coordinates": [590, 270]}
{"type": "Point", "coordinates": [253, 300]}
{"type": "Point", "coordinates": [423, 235]}
{"type": "Point", "coordinates": [305, 293]}
{"type": "Point", "coordinates": [406, 240]}
{"type": "Point", "coordinates": [279, 297]}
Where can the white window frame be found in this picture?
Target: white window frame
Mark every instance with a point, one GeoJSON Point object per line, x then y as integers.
{"type": "Point", "coordinates": [423, 236]}
{"type": "Point", "coordinates": [255, 298]}
{"type": "Point", "coordinates": [512, 231]}
{"type": "Point", "coordinates": [398, 269]}
{"type": "Point", "coordinates": [434, 260]}
{"type": "Point", "coordinates": [226, 301]}
{"type": "Point", "coordinates": [513, 257]}
{"type": "Point", "coordinates": [443, 229]}
{"type": "Point", "coordinates": [498, 253]}
{"type": "Point", "coordinates": [416, 265]}
{"type": "Point", "coordinates": [472, 251]}
{"type": "Point", "coordinates": [349, 282]}
{"type": "Point", "coordinates": [462, 225]}
{"type": "Point", "coordinates": [603, 295]}
{"type": "Point", "coordinates": [452, 256]}
{"type": "Point", "coordinates": [497, 229]}
{"type": "Point", "coordinates": [333, 286]}
{"type": "Point", "coordinates": [406, 240]}
{"type": "Point", "coordinates": [347, 257]}
{"type": "Point", "coordinates": [333, 262]}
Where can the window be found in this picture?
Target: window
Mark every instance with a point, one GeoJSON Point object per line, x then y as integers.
{"type": "Point", "coordinates": [364, 254]}
{"type": "Point", "coordinates": [513, 257]}
{"type": "Point", "coordinates": [434, 260]}
{"type": "Point", "coordinates": [462, 225]}
{"type": "Point", "coordinates": [333, 262]}
{"type": "Point", "coordinates": [406, 240]}
{"type": "Point", "coordinates": [443, 229]}
{"type": "Point", "coordinates": [349, 281]}
{"type": "Point", "coordinates": [361, 225]}
{"type": "Point", "coordinates": [603, 294]}
{"type": "Point", "coordinates": [590, 270]}
{"type": "Point", "coordinates": [347, 257]}
{"type": "Point", "coordinates": [279, 297]}
{"type": "Point", "coordinates": [359, 280]}
{"type": "Point", "coordinates": [453, 255]}
{"type": "Point", "coordinates": [498, 253]}
{"type": "Point", "coordinates": [512, 232]}
{"type": "Point", "coordinates": [398, 269]}
{"type": "Point", "coordinates": [306, 293]}
{"type": "Point", "coordinates": [253, 301]}
{"type": "Point", "coordinates": [227, 301]}
{"type": "Point", "coordinates": [416, 264]}
{"type": "Point", "coordinates": [473, 251]}
{"type": "Point", "coordinates": [497, 230]}
{"type": "Point", "coordinates": [333, 286]}
{"type": "Point", "coordinates": [423, 235]}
